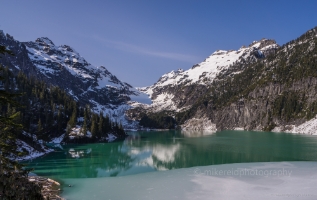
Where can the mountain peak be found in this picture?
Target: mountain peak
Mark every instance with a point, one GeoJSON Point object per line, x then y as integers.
{"type": "Point", "coordinates": [262, 43]}
{"type": "Point", "coordinates": [44, 40]}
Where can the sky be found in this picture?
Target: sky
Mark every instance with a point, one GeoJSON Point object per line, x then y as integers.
{"type": "Point", "coordinates": [140, 40]}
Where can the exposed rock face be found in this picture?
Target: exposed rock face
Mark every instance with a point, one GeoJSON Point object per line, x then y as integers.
{"type": "Point", "coordinates": [20, 60]}
{"type": "Point", "coordinates": [199, 124]}
{"type": "Point", "coordinates": [252, 113]}
{"type": "Point", "coordinates": [50, 188]}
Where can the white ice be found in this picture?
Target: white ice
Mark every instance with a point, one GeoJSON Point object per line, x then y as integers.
{"type": "Point", "coordinates": [279, 180]}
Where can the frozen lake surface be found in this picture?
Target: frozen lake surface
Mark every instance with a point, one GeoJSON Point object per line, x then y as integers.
{"type": "Point", "coordinates": [277, 180]}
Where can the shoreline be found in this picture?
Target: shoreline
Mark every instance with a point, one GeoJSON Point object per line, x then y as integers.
{"type": "Point", "coordinates": [50, 188]}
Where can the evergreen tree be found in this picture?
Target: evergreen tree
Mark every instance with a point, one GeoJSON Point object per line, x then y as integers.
{"type": "Point", "coordinates": [94, 128]}
{"type": "Point", "coordinates": [39, 127]}
{"type": "Point", "coordinates": [100, 125]}
{"type": "Point", "coordinates": [84, 131]}
{"type": "Point", "coordinates": [14, 183]}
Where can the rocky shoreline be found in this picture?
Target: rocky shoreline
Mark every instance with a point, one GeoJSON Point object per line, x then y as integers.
{"type": "Point", "coordinates": [50, 188]}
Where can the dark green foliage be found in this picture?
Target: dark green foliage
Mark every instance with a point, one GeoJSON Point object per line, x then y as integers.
{"type": "Point", "coordinates": [93, 127]}
{"type": "Point", "coordinates": [119, 130]}
{"type": "Point", "coordinates": [15, 185]}
{"type": "Point", "coordinates": [49, 111]}
{"type": "Point", "coordinates": [73, 119]}
{"type": "Point", "coordinates": [45, 111]}
{"type": "Point", "coordinates": [288, 105]}
{"type": "Point", "coordinates": [158, 120]}
{"type": "Point", "coordinates": [84, 128]}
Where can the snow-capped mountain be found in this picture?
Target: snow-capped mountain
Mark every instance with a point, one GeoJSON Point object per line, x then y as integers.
{"type": "Point", "coordinates": [166, 91]}
{"type": "Point", "coordinates": [260, 87]}
{"type": "Point", "coordinates": [220, 60]}
{"type": "Point", "coordinates": [64, 67]}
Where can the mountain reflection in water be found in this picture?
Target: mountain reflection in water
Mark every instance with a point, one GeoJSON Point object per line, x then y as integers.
{"type": "Point", "coordinates": [152, 151]}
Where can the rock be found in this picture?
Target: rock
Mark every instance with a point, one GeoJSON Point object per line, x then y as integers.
{"type": "Point", "coordinates": [50, 188]}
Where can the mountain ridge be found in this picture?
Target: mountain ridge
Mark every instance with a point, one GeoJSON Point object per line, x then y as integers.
{"type": "Point", "coordinates": [64, 67]}
{"type": "Point", "coordinates": [254, 93]}
{"type": "Point", "coordinates": [205, 91]}
{"type": "Point", "coordinates": [202, 73]}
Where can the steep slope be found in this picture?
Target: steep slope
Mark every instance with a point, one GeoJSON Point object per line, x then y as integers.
{"type": "Point", "coordinates": [64, 67]}
{"type": "Point", "coordinates": [166, 93]}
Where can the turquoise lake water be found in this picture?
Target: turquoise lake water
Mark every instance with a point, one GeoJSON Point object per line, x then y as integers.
{"type": "Point", "coordinates": [166, 150]}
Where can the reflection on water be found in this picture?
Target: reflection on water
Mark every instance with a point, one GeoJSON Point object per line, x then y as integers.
{"type": "Point", "coordinates": [196, 133]}
{"type": "Point", "coordinates": [78, 154]}
{"type": "Point", "coordinates": [152, 151]}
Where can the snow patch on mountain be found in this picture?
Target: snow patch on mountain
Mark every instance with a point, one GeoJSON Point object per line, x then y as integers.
{"type": "Point", "coordinates": [116, 113]}
{"type": "Point", "coordinates": [58, 140]}
{"type": "Point", "coordinates": [31, 153]}
{"type": "Point", "coordinates": [164, 102]}
{"type": "Point", "coordinates": [199, 124]}
{"type": "Point", "coordinates": [308, 127]}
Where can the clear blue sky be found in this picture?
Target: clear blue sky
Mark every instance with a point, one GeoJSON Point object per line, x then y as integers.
{"type": "Point", "coordinates": [139, 40]}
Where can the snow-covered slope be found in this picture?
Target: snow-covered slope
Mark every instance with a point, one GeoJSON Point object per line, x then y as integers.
{"type": "Point", "coordinates": [203, 73]}
{"type": "Point", "coordinates": [52, 61]}
{"type": "Point", "coordinates": [64, 67]}
{"type": "Point", "coordinates": [105, 92]}
{"type": "Point", "coordinates": [31, 146]}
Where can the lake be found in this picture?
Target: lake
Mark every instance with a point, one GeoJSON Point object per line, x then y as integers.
{"type": "Point", "coordinates": [152, 151]}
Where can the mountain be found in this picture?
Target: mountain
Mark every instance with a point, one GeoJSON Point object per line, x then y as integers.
{"type": "Point", "coordinates": [170, 91]}
{"type": "Point", "coordinates": [260, 87]}
{"type": "Point", "coordinates": [63, 66]}
{"type": "Point", "coordinates": [49, 114]}
{"type": "Point", "coordinates": [263, 86]}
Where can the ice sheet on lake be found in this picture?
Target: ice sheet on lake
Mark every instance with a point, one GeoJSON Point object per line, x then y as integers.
{"type": "Point", "coordinates": [279, 180]}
